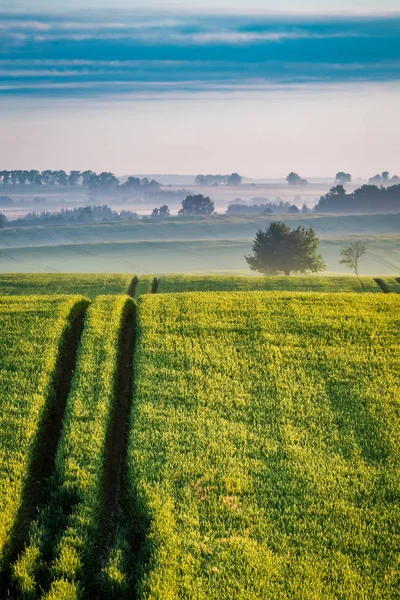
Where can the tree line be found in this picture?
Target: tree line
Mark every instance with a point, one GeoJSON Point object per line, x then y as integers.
{"type": "Point", "coordinates": [232, 180]}
{"type": "Point", "coordinates": [367, 198]}
{"type": "Point", "coordinates": [95, 182]}
{"type": "Point", "coordinates": [83, 214]}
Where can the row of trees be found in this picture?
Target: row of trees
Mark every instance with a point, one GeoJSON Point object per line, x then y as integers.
{"type": "Point", "coordinates": [84, 214]}
{"type": "Point", "coordinates": [342, 178]}
{"type": "Point", "coordinates": [281, 249]}
{"type": "Point", "coordinates": [367, 198]}
{"type": "Point", "coordinates": [233, 180]}
{"type": "Point", "coordinates": [102, 182]}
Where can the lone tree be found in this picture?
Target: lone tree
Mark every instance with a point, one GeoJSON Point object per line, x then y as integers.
{"type": "Point", "coordinates": [295, 179]}
{"type": "Point", "coordinates": [3, 220]}
{"type": "Point", "coordinates": [196, 205]}
{"type": "Point", "coordinates": [342, 178]}
{"type": "Point", "coordinates": [235, 179]}
{"type": "Point", "coordinates": [352, 255]}
{"type": "Point", "coordinates": [281, 249]}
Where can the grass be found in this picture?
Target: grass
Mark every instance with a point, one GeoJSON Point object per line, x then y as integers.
{"type": "Point", "coordinates": [221, 283]}
{"type": "Point", "coordinates": [215, 244]}
{"type": "Point", "coordinates": [147, 284]}
{"type": "Point", "coordinates": [32, 332]}
{"type": "Point", "coordinates": [89, 285]}
{"type": "Point", "coordinates": [63, 552]}
{"type": "Point", "coordinates": [264, 450]}
{"type": "Point", "coordinates": [392, 284]}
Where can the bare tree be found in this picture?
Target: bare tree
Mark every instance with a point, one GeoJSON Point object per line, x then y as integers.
{"type": "Point", "coordinates": [352, 255]}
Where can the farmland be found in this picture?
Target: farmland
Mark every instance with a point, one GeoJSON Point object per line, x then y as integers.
{"type": "Point", "coordinates": [210, 445]}
{"type": "Point", "coordinates": [215, 244]}
{"type": "Point", "coordinates": [90, 286]}
{"type": "Point", "coordinates": [81, 464]}
{"type": "Point", "coordinates": [226, 283]}
{"type": "Point", "coordinates": [265, 445]}
{"type": "Point", "coordinates": [33, 332]}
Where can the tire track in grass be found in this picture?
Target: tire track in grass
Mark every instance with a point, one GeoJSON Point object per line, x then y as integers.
{"type": "Point", "coordinates": [37, 488]}
{"type": "Point", "coordinates": [383, 285]}
{"type": "Point", "coordinates": [118, 431]}
{"type": "Point", "coordinates": [154, 286]}
{"type": "Point", "coordinates": [132, 287]}
{"type": "Point", "coordinates": [113, 533]}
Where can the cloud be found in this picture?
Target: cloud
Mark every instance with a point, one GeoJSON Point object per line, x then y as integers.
{"type": "Point", "coordinates": [145, 53]}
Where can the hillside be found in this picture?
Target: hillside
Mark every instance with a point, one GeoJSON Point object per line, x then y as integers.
{"type": "Point", "coordinates": [213, 244]}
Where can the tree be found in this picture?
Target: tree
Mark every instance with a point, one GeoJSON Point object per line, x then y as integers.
{"type": "Point", "coordinates": [342, 178]}
{"type": "Point", "coordinates": [352, 255]}
{"type": "Point", "coordinates": [293, 210]}
{"type": "Point", "coordinates": [196, 205]}
{"type": "Point", "coordinates": [281, 249]}
{"type": "Point", "coordinates": [163, 211]}
{"type": "Point", "coordinates": [305, 209]}
{"type": "Point", "coordinates": [295, 179]}
{"type": "Point", "coordinates": [385, 175]}
{"type": "Point", "coordinates": [3, 221]}
{"type": "Point", "coordinates": [234, 179]}
{"type": "Point", "coordinates": [73, 177]}
{"type": "Point", "coordinates": [375, 180]}
{"type": "Point", "coordinates": [86, 175]}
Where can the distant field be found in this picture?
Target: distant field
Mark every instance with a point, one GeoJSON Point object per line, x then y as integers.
{"type": "Point", "coordinates": [392, 284]}
{"type": "Point", "coordinates": [264, 448]}
{"type": "Point", "coordinates": [146, 284]}
{"type": "Point", "coordinates": [88, 285]}
{"type": "Point", "coordinates": [215, 245]}
{"type": "Point", "coordinates": [221, 283]}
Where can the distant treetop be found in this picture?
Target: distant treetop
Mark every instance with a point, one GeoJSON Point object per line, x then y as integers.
{"type": "Point", "coordinates": [232, 180]}
{"type": "Point", "coordinates": [342, 178]}
{"type": "Point", "coordinates": [295, 179]}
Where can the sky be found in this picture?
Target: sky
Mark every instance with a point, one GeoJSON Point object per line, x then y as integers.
{"type": "Point", "coordinates": [205, 89]}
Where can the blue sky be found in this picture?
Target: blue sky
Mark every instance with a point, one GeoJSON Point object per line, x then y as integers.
{"type": "Point", "coordinates": [58, 61]}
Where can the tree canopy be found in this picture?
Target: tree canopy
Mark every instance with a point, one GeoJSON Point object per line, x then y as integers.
{"type": "Point", "coordinates": [281, 249]}
{"type": "Point", "coordinates": [342, 178]}
{"type": "Point", "coordinates": [163, 211]}
{"type": "Point", "coordinates": [196, 205]}
{"type": "Point", "coordinates": [367, 198]}
{"type": "Point", "coordinates": [234, 179]}
{"type": "Point", "coordinates": [295, 179]}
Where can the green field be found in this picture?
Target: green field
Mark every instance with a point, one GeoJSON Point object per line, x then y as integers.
{"type": "Point", "coordinates": [33, 331]}
{"type": "Point", "coordinates": [392, 284]}
{"type": "Point", "coordinates": [265, 445]}
{"type": "Point", "coordinates": [79, 473]}
{"type": "Point", "coordinates": [204, 446]}
{"type": "Point", "coordinates": [89, 285]}
{"type": "Point", "coordinates": [226, 283]}
{"type": "Point", "coordinates": [215, 244]}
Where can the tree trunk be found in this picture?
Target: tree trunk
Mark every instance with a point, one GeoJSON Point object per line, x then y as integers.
{"type": "Point", "coordinates": [287, 273]}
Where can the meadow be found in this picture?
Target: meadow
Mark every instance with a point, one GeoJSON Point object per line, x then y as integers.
{"type": "Point", "coordinates": [215, 244]}
{"type": "Point", "coordinates": [63, 551]}
{"type": "Point", "coordinates": [34, 332]}
{"type": "Point", "coordinates": [95, 284]}
{"type": "Point", "coordinates": [242, 444]}
{"type": "Point", "coordinates": [221, 283]}
{"type": "Point", "coordinates": [265, 446]}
